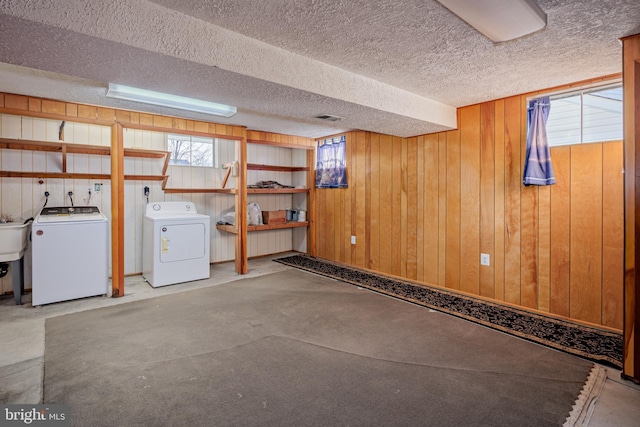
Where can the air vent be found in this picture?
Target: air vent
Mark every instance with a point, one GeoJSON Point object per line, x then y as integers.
{"type": "Point", "coordinates": [329, 118]}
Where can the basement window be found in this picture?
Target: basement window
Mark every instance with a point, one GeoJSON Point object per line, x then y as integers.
{"type": "Point", "coordinates": [588, 115]}
{"type": "Point", "coordinates": [331, 162]}
{"type": "Point", "coordinates": [189, 150]}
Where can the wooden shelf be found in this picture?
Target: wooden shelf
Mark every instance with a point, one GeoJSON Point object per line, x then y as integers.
{"type": "Point", "coordinates": [233, 190]}
{"type": "Point", "coordinates": [290, 224]}
{"type": "Point", "coordinates": [245, 192]}
{"type": "Point", "coordinates": [146, 154]}
{"type": "Point", "coordinates": [58, 175]}
{"type": "Point", "coordinates": [71, 148]}
{"type": "Point", "coordinates": [228, 228]}
{"type": "Point", "coordinates": [201, 190]}
{"type": "Point", "coordinates": [145, 177]}
{"type": "Point", "coordinates": [276, 190]}
{"type": "Point", "coordinates": [256, 167]}
{"type": "Point", "coordinates": [59, 147]}
{"type": "Point", "coordinates": [76, 175]}
{"type": "Point", "coordinates": [65, 148]}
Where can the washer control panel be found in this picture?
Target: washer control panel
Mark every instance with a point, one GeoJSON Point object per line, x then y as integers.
{"type": "Point", "coordinates": [70, 210]}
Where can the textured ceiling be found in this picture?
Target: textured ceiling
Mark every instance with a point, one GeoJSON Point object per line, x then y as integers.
{"type": "Point", "coordinates": [395, 66]}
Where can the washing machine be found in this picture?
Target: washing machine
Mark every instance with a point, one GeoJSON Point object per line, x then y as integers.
{"type": "Point", "coordinates": [70, 254]}
{"type": "Point", "coordinates": [175, 244]}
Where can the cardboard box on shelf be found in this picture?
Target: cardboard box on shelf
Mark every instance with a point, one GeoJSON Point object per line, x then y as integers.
{"type": "Point", "coordinates": [274, 217]}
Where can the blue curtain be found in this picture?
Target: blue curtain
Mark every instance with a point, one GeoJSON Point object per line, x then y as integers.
{"type": "Point", "coordinates": [537, 164]}
{"type": "Point", "coordinates": [331, 171]}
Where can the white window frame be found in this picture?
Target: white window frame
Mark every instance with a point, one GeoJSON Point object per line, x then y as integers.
{"type": "Point", "coordinates": [581, 92]}
{"type": "Point", "coordinates": [193, 139]}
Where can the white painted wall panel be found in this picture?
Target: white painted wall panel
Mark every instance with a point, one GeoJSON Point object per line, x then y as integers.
{"type": "Point", "coordinates": [52, 129]}
{"type": "Point", "coordinates": [78, 133]}
{"type": "Point", "coordinates": [11, 126]}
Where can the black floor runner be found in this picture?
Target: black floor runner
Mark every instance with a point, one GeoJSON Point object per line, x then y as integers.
{"type": "Point", "coordinates": [592, 343]}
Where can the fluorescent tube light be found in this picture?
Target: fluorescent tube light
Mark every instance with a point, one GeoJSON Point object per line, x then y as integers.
{"type": "Point", "coordinates": [158, 98]}
{"type": "Point", "coordinates": [500, 20]}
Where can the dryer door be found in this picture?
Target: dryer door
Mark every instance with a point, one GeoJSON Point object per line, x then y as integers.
{"type": "Point", "coordinates": [181, 242]}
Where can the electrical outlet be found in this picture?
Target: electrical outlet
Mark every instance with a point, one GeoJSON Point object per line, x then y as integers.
{"type": "Point", "coordinates": [146, 191]}
{"type": "Point", "coordinates": [97, 187]}
{"type": "Point", "coordinates": [353, 240]}
{"type": "Point", "coordinates": [485, 259]}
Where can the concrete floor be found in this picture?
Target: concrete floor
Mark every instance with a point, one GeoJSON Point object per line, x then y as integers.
{"type": "Point", "coordinates": [22, 334]}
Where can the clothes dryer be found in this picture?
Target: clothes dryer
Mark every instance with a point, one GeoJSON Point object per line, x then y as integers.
{"type": "Point", "coordinates": [176, 245]}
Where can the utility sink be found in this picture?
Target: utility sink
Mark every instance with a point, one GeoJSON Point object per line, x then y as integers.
{"type": "Point", "coordinates": [13, 240]}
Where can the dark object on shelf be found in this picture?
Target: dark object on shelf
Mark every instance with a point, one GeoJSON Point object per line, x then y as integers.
{"type": "Point", "coordinates": [269, 184]}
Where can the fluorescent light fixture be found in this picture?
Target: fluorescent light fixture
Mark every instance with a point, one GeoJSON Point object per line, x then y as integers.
{"type": "Point", "coordinates": [500, 20]}
{"type": "Point", "coordinates": [158, 98]}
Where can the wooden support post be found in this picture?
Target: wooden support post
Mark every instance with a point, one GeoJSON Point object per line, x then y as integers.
{"type": "Point", "coordinates": [241, 206]}
{"type": "Point", "coordinates": [64, 158]}
{"type": "Point", "coordinates": [631, 85]}
{"type": "Point", "coordinates": [117, 211]}
{"type": "Point", "coordinates": [311, 204]}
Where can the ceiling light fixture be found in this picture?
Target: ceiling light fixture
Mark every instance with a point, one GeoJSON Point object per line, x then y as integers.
{"type": "Point", "coordinates": [500, 20]}
{"type": "Point", "coordinates": [128, 93]}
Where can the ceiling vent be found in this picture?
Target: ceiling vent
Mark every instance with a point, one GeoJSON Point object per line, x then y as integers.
{"type": "Point", "coordinates": [329, 118]}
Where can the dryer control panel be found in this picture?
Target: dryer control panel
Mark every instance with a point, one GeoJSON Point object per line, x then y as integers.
{"type": "Point", "coordinates": [176, 208]}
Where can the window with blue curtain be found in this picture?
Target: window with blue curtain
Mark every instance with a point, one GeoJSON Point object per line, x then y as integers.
{"type": "Point", "coordinates": [331, 163]}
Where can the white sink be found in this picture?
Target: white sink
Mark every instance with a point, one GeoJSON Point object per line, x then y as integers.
{"type": "Point", "coordinates": [13, 240]}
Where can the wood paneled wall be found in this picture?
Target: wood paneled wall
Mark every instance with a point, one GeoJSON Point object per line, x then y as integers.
{"type": "Point", "coordinates": [426, 207]}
